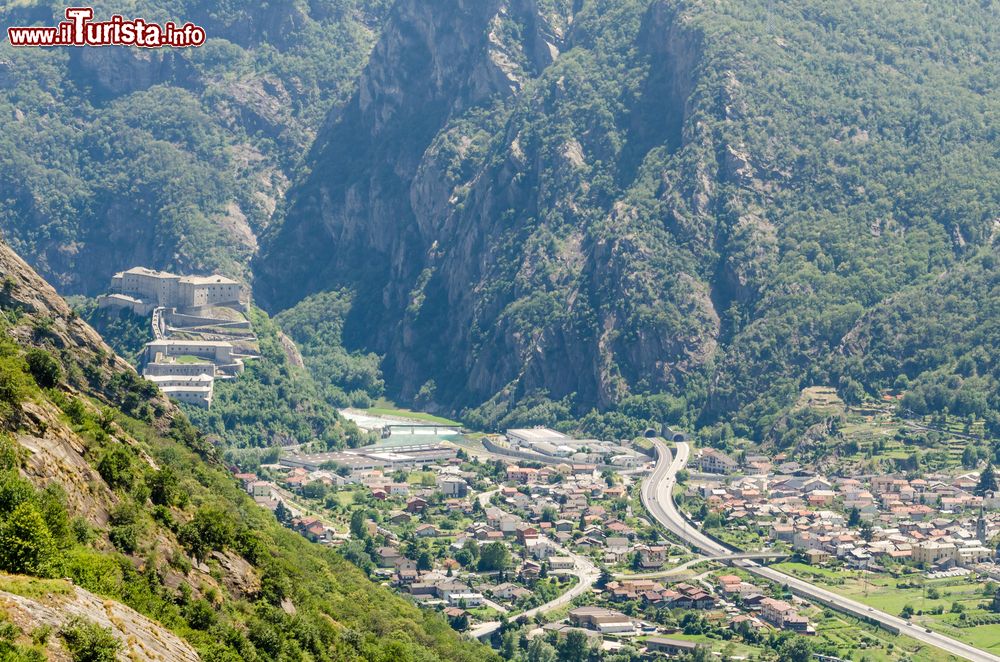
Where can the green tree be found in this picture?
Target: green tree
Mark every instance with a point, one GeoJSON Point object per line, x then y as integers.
{"type": "Point", "coordinates": [995, 603]}
{"type": "Point", "coordinates": [164, 487]}
{"type": "Point", "coordinates": [26, 545]}
{"type": "Point", "coordinates": [540, 650]}
{"type": "Point", "coordinates": [987, 481]}
{"type": "Point", "coordinates": [494, 556]}
{"type": "Point", "coordinates": [14, 491]}
{"type": "Point", "coordinates": [460, 622]}
{"type": "Point", "coordinates": [359, 524]}
{"type": "Point", "coordinates": [468, 554]}
{"type": "Point", "coordinates": [970, 457]}
{"type": "Point", "coordinates": [796, 649]}
{"type": "Point", "coordinates": [127, 527]}
{"type": "Point", "coordinates": [43, 367]}
{"type": "Point", "coordinates": [211, 529]}
{"type": "Point", "coordinates": [201, 615]}
{"type": "Point", "coordinates": [13, 384]}
{"type": "Point", "coordinates": [573, 647]}
{"type": "Point", "coordinates": [115, 467]}
{"type": "Point", "coordinates": [314, 490]}
{"type": "Point", "coordinates": [854, 517]}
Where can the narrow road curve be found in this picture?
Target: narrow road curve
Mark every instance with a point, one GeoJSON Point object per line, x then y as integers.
{"type": "Point", "coordinates": [586, 572]}
{"type": "Point", "coordinates": [657, 497]}
{"type": "Point", "coordinates": [660, 574]}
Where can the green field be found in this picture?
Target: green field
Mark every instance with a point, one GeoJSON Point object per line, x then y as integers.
{"type": "Point", "coordinates": [188, 358]}
{"type": "Point", "coordinates": [384, 407]}
{"type": "Point", "coordinates": [425, 478]}
{"type": "Point", "coordinates": [856, 641]}
{"type": "Point", "coordinates": [884, 593]}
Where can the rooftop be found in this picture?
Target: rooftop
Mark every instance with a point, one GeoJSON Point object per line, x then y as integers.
{"type": "Point", "coordinates": [214, 279]}
{"type": "Point", "coordinates": [536, 434]}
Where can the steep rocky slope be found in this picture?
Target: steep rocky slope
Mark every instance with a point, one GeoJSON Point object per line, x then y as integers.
{"type": "Point", "coordinates": [105, 483]}
{"type": "Point", "coordinates": [585, 201]}
{"type": "Point", "coordinates": [484, 236]}
{"type": "Point", "coordinates": [141, 638]}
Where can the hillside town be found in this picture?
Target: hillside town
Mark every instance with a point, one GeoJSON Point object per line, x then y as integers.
{"type": "Point", "coordinates": [537, 526]}
{"type": "Point", "coordinates": [937, 522]}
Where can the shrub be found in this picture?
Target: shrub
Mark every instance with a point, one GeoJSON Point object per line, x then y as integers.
{"type": "Point", "coordinates": [14, 491]}
{"type": "Point", "coordinates": [200, 615]}
{"type": "Point", "coordinates": [26, 545]}
{"type": "Point", "coordinates": [164, 488]}
{"type": "Point", "coordinates": [43, 367]}
{"type": "Point", "coordinates": [75, 410]}
{"type": "Point", "coordinates": [126, 528]}
{"type": "Point", "coordinates": [10, 453]}
{"type": "Point", "coordinates": [89, 642]}
{"type": "Point", "coordinates": [13, 384]}
{"type": "Point", "coordinates": [210, 530]}
{"type": "Point", "coordinates": [116, 469]}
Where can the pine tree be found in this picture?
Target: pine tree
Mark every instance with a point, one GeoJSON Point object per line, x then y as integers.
{"type": "Point", "coordinates": [987, 481]}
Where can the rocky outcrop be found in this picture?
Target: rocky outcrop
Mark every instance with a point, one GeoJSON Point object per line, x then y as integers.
{"type": "Point", "coordinates": [372, 164]}
{"type": "Point", "coordinates": [119, 71]}
{"type": "Point", "coordinates": [142, 640]}
{"type": "Point", "coordinates": [24, 289]}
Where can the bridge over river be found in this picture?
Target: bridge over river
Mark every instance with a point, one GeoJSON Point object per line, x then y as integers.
{"type": "Point", "coordinates": [419, 428]}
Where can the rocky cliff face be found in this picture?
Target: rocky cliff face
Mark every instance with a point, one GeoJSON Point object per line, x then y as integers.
{"type": "Point", "coordinates": [24, 290]}
{"type": "Point", "coordinates": [142, 639]}
{"type": "Point", "coordinates": [457, 191]}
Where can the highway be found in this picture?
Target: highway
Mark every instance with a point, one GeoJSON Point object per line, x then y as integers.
{"type": "Point", "coordinates": [657, 497]}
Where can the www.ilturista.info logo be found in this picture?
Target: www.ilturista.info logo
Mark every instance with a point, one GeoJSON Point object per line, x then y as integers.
{"type": "Point", "coordinates": [79, 30]}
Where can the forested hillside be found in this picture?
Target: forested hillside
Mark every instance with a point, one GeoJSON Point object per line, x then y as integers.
{"type": "Point", "coordinates": [543, 208]}
{"type": "Point", "coordinates": [109, 495]}
{"type": "Point", "coordinates": [174, 159]}
{"type": "Point", "coordinates": [936, 343]}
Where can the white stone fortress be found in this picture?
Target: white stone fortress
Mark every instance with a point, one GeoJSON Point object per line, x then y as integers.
{"type": "Point", "coordinates": [200, 328]}
{"type": "Point", "coordinates": [151, 289]}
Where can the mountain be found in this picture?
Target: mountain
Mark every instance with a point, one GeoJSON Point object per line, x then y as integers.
{"type": "Point", "coordinates": [543, 207]}
{"type": "Point", "coordinates": [120, 527]}
{"type": "Point", "coordinates": [171, 158]}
